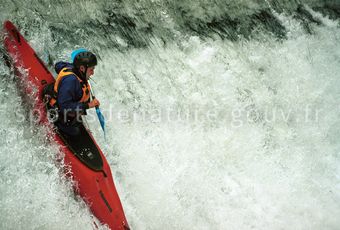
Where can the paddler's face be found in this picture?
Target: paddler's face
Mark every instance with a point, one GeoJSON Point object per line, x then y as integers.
{"type": "Point", "coordinates": [89, 72]}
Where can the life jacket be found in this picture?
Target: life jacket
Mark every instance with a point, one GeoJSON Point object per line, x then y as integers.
{"type": "Point", "coordinates": [63, 73]}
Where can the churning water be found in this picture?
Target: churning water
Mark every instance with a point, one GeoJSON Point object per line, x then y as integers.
{"type": "Point", "coordinates": [220, 114]}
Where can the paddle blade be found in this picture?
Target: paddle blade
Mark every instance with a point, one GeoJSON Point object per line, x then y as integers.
{"type": "Point", "coordinates": [101, 118]}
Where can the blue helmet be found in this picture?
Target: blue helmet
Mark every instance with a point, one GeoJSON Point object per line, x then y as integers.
{"type": "Point", "coordinates": [83, 57]}
{"type": "Point", "coordinates": [75, 52]}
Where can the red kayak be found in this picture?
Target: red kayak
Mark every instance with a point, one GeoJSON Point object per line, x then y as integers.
{"type": "Point", "coordinates": [88, 166]}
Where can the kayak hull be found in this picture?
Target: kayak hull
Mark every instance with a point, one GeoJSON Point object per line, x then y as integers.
{"type": "Point", "coordinates": [96, 187]}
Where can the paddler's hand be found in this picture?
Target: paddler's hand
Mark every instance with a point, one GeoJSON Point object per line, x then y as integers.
{"type": "Point", "coordinates": [94, 103]}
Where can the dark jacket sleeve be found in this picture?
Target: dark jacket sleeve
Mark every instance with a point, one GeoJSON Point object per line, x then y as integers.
{"type": "Point", "coordinates": [60, 65]}
{"type": "Point", "coordinates": [69, 94]}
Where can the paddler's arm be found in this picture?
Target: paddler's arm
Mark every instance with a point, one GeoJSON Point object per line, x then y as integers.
{"type": "Point", "coordinates": [93, 103]}
{"type": "Point", "coordinates": [69, 92]}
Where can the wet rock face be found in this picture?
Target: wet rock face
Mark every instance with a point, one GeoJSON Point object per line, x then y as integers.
{"type": "Point", "coordinates": [125, 24]}
{"type": "Point", "coordinates": [331, 9]}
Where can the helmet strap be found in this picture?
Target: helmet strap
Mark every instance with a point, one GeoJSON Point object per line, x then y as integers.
{"type": "Point", "coordinates": [83, 73]}
{"type": "Point", "coordinates": [85, 77]}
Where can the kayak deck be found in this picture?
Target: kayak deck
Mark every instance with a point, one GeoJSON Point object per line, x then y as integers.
{"type": "Point", "coordinates": [83, 147]}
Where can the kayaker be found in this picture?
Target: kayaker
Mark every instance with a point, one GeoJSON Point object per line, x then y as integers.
{"type": "Point", "coordinates": [72, 91]}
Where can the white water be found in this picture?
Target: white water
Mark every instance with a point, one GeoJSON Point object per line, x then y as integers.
{"type": "Point", "coordinates": [276, 166]}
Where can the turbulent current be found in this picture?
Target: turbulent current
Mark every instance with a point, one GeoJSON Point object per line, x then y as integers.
{"type": "Point", "coordinates": [219, 114]}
